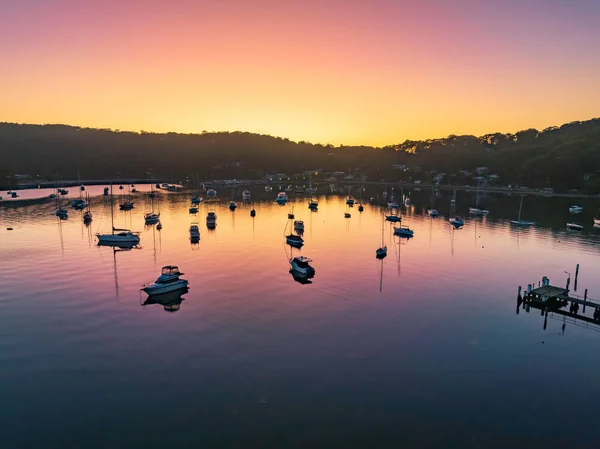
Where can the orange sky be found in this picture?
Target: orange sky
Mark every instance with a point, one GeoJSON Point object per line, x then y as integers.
{"type": "Point", "coordinates": [352, 72]}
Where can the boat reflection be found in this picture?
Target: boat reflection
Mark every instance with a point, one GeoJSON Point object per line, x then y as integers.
{"type": "Point", "coordinates": [301, 277]}
{"type": "Point", "coordinates": [170, 301]}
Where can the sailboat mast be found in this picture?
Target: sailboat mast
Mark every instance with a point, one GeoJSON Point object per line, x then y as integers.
{"type": "Point", "coordinates": [520, 207]}
{"type": "Point", "coordinates": [112, 215]}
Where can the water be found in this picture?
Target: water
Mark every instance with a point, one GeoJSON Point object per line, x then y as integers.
{"type": "Point", "coordinates": [421, 350]}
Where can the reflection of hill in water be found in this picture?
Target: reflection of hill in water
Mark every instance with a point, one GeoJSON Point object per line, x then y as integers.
{"type": "Point", "coordinates": [170, 301]}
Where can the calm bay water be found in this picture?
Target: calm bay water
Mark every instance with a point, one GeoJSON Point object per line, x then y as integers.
{"type": "Point", "coordinates": [424, 349]}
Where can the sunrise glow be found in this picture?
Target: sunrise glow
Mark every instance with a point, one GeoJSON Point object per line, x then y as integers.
{"type": "Point", "coordinates": [338, 71]}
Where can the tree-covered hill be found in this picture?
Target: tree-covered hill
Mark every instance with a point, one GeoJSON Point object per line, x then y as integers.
{"type": "Point", "coordinates": [562, 157]}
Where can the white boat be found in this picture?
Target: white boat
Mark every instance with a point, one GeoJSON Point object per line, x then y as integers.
{"type": "Point", "coordinates": [78, 203]}
{"type": "Point", "coordinates": [194, 231]}
{"type": "Point", "coordinates": [152, 217]}
{"type": "Point", "coordinates": [456, 221]}
{"type": "Point", "coordinates": [281, 198]}
{"type": "Point", "coordinates": [211, 193]}
{"type": "Point", "coordinates": [433, 213]}
{"type": "Point", "coordinates": [294, 240]}
{"type": "Point", "coordinates": [196, 200]}
{"type": "Point", "coordinates": [574, 226]}
{"type": "Point", "coordinates": [246, 195]}
{"type": "Point", "coordinates": [403, 231]}
{"type": "Point", "coordinates": [61, 213]}
{"type": "Point", "coordinates": [117, 237]}
{"type": "Point", "coordinates": [302, 266]}
{"type": "Point", "coordinates": [211, 220]}
{"type": "Point", "coordinates": [394, 205]}
{"type": "Point", "coordinates": [518, 221]}
{"type": "Point", "coordinates": [478, 211]}
{"type": "Point", "coordinates": [299, 226]}
{"type": "Point", "coordinates": [407, 202]}
{"type": "Point", "coordinates": [576, 209]}
{"type": "Point", "coordinates": [170, 301]}
{"type": "Point", "coordinates": [381, 252]}
{"type": "Point", "coordinates": [168, 281]}
{"type": "Point", "coordinates": [596, 221]}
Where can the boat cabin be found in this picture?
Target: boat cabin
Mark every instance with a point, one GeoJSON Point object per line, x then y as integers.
{"type": "Point", "coordinates": [170, 270]}
{"type": "Point", "coordinates": [302, 261]}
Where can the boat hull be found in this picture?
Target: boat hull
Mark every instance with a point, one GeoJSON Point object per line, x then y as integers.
{"type": "Point", "coordinates": [109, 239]}
{"type": "Point", "coordinates": [159, 289]}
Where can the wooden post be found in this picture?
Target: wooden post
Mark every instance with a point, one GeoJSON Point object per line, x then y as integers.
{"type": "Point", "coordinates": [576, 274]}
{"type": "Point", "coordinates": [584, 300]}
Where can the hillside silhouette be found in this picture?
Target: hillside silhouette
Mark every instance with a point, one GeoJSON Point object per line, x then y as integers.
{"type": "Point", "coordinates": [561, 157]}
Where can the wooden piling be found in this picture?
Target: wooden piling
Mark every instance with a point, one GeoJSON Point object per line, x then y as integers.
{"type": "Point", "coordinates": [576, 274]}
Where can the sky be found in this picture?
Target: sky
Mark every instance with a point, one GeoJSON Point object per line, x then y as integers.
{"type": "Point", "coordinates": [372, 72]}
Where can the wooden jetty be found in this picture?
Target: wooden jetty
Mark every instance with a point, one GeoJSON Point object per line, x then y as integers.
{"type": "Point", "coordinates": [550, 298]}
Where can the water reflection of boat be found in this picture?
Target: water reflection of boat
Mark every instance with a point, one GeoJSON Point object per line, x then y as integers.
{"type": "Point", "coordinates": [170, 301]}
{"type": "Point", "coordinates": [300, 278]}
{"type": "Point", "coordinates": [294, 240]}
{"type": "Point", "coordinates": [518, 221]}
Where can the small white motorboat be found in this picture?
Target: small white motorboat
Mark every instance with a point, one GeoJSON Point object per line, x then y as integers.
{"type": "Point", "coordinates": [194, 231]}
{"type": "Point", "coordinates": [246, 195]}
{"type": "Point", "coordinates": [196, 200]}
{"type": "Point", "coordinates": [302, 266]}
{"type": "Point", "coordinates": [403, 231]}
{"type": "Point", "coordinates": [523, 223]}
{"type": "Point", "coordinates": [168, 281]}
{"type": "Point", "coordinates": [456, 221]}
{"type": "Point", "coordinates": [574, 226]}
{"type": "Point", "coordinates": [596, 221]}
{"type": "Point", "coordinates": [299, 226]}
{"type": "Point", "coordinates": [433, 213]}
{"type": "Point", "coordinates": [393, 205]}
{"type": "Point", "coordinates": [281, 198]}
{"type": "Point", "coordinates": [576, 210]}
{"type": "Point", "coordinates": [151, 217]}
{"type": "Point", "coordinates": [127, 205]}
{"type": "Point", "coordinates": [211, 220]}
{"type": "Point", "coordinates": [63, 214]}
{"type": "Point", "coordinates": [478, 211]}
{"type": "Point", "coordinates": [407, 202]}
{"type": "Point", "coordinates": [211, 193]}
